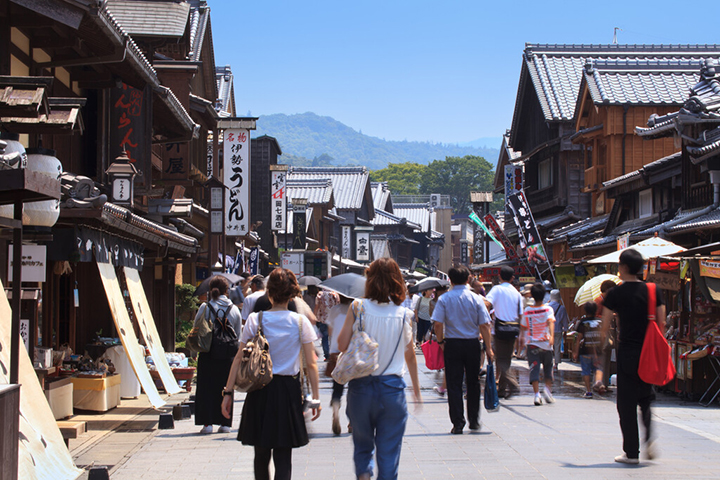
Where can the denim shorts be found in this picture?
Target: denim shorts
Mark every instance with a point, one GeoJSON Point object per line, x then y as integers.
{"type": "Point", "coordinates": [537, 357]}
{"type": "Point", "coordinates": [589, 364]}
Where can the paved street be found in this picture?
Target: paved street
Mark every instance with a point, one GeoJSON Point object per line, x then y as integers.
{"type": "Point", "coordinates": [572, 437]}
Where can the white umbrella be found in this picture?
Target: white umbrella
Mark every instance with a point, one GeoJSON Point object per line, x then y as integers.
{"type": "Point", "coordinates": [591, 289]}
{"type": "Point", "coordinates": [650, 248]}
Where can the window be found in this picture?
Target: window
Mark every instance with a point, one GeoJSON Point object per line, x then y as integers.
{"type": "Point", "coordinates": [545, 174]}
{"type": "Point", "coordinates": [645, 203]}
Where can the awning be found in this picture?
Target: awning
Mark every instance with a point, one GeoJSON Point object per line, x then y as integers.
{"type": "Point", "coordinates": [63, 117]}
{"type": "Point", "coordinates": [650, 248]}
{"type": "Point", "coordinates": [144, 316]}
{"type": "Point", "coordinates": [24, 96]}
{"type": "Point", "coordinates": [126, 331]}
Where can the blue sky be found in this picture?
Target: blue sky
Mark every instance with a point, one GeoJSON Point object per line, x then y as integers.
{"type": "Point", "coordinates": [417, 70]}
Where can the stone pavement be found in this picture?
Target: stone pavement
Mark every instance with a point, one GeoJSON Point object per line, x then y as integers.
{"type": "Point", "coordinates": [573, 437]}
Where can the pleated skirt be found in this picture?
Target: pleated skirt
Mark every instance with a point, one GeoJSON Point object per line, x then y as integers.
{"type": "Point", "coordinates": [212, 375]}
{"type": "Point", "coordinates": [272, 417]}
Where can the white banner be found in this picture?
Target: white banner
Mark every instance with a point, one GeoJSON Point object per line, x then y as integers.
{"type": "Point", "coordinates": [33, 263]}
{"type": "Point", "coordinates": [362, 252]}
{"type": "Point", "coordinates": [236, 166]}
{"type": "Point", "coordinates": [209, 169]}
{"type": "Point", "coordinates": [279, 208]}
{"type": "Point", "coordinates": [346, 241]}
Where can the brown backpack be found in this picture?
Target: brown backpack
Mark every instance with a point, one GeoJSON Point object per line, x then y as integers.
{"type": "Point", "coordinates": [255, 370]}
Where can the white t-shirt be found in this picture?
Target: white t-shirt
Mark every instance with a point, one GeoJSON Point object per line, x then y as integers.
{"type": "Point", "coordinates": [335, 320]}
{"type": "Point", "coordinates": [386, 323]}
{"type": "Point", "coordinates": [282, 331]}
{"type": "Point", "coordinates": [249, 303]}
{"type": "Point", "coordinates": [537, 321]}
{"type": "Point", "coordinates": [506, 302]}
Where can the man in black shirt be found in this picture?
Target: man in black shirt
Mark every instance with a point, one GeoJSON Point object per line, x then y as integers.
{"type": "Point", "coordinates": [630, 302]}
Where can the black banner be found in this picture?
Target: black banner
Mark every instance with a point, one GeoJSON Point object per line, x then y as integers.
{"type": "Point", "coordinates": [530, 240]}
{"type": "Point", "coordinates": [108, 249]}
{"type": "Point", "coordinates": [299, 230]}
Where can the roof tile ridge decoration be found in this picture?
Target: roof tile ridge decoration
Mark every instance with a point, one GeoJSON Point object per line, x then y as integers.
{"type": "Point", "coordinates": [597, 49]}
{"type": "Point", "coordinates": [411, 205]}
{"type": "Point", "coordinates": [103, 11]}
{"type": "Point", "coordinates": [331, 170]}
{"type": "Point", "coordinates": [546, 84]}
{"type": "Point", "coordinates": [203, 19]}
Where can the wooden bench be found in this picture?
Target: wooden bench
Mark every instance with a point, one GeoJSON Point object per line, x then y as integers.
{"type": "Point", "coordinates": [71, 430]}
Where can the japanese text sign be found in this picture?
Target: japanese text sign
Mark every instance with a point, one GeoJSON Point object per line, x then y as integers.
{"type": "Point", "coordinates": [362, 248]}
{"type": "Point", "coordinates": [530, 240]}
{"type": "Point", "coordinates": [236, 166]}
{"type": "Point", "coordinates": [278, 209]}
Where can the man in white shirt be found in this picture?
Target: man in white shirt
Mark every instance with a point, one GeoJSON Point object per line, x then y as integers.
{"type": "Point", "coordinates": [257, 286]}
{"type": "Point", "coordinates": [508, 305]}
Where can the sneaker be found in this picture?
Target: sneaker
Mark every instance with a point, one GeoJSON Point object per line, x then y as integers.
{"type": "Point", "coordinates": [439, 390]}
{"type": "Point", "coordinates": [624, 459]}
{"type": "Point", "coordinates": [651, 450]}
{"type": "Point", "coordinates": [538, 399]}
{"type": "Point", "coordinates": [224, 429]}
{"type": "Point", "coordinates": [336, 418]}
{"type": "Point", "coordinates": [547, 395]}
{"type": "Point", "coordinates": [206, 430]}
{"type": "Point", "coordinates": [588, 395]}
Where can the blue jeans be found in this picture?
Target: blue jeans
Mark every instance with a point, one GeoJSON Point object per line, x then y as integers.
{"type": "Point", "coordinates": [377, 410]}
{"type": "Point", "coordinates": [323, 328]}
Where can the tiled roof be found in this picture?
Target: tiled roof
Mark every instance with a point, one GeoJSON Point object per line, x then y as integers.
{"type": "Point", "coordinates": [317, 191]}
{"type": "Point", "coordinates": [641, 81]}
{"type": "Point", "coordinates": [350, 184]}
{"type": "Point", "coordinates": [224, 79]}
{"type": "Point", "coordinates": [556, 70]}
{"type": "Point", "coordinates": [434, 235]}
{"type": "Point", "coordinates": [708, 220]}
{"type": "Point", "coordinates": [578, 232]}
{"type": "Point", "coordinates": [417, 213]}
{"type": "Point", "coordinates": [199, 21]}
{"type": "Point", "coordinates": [381, 196]}
{"type": "Point", "coordinates": [385, 218]}
{"type": "Point", "coordinates": [649, 168]}
{"type": "Point", "coordinates": [143, 18]}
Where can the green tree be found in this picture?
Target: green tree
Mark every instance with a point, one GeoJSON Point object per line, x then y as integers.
{"type": "Point", "coordinates": [457, 177]}
{"type": "Point", "coordinates": [402, 178]}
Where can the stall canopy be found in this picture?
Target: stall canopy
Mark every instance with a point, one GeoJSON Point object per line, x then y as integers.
{"type": "Point", "coordinates": [149, 330]}
{"type": "Point", "coordinates": [42, 451]}
{"type": "Point", "coordinates": [127, 332]}
{"type": "Point", "coordinates": [650, 248]}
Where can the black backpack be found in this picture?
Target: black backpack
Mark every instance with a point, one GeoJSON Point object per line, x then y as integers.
{"type": "Point", "coordinates": [224, 337]}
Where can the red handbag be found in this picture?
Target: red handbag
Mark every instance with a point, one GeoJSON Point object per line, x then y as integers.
{"type": "Point", "coordinates": [656, 366]}
{"type": "Point", "coordinates": [434, 357]}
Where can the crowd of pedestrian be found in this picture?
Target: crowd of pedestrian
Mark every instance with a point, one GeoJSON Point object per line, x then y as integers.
{"type": "Point", "coordinates": [472, 324]}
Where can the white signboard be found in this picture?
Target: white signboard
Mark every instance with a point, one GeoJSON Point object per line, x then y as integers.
{"type": "Point", "coordinates": [236, 165]}
{"type": "Point", "coordinates": [278, 191]}
{"type": "Point", "coordinates": [216, 221]}
{"type": "Point", "coordinates": [295, 262]}
{"type": "Point", "coordinates": [33, 263]}
{"type": "Point", "coordinates": [362, 251]}
{"type": "Point", "coordinates": [346, 241]}
{"type": "Point", "coordinates": [209, 159]}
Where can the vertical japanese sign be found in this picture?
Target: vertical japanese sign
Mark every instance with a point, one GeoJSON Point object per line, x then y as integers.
{"type": "Point", "coordinates": [254, 260]}
{"type": "Point", "coordinates": [299, 227]}
{"type": "Point", "coordinates": [346, 241]}
{"type": "Point", "coordinates": [278, 192]}
{"type": "Point", "coordinates": [623, 241]}
{"type": "Point", "coordinates": [514, 180]}
{"type": "Point", "coordinates": [478, 237]}
{"type": "Point", "coordinates": [175, 161]}
{"type": "Point", "coordinates": [464, 253]}
{"type": "Point", "coordinates": [236, 166]}
{"type": "Point", "coordinates": [209, 159]}
{"type": "Point", "coordinates": [129, 127]}
{"type": "Point", "coordinates": [530, 240]}
{"type": "Point", "coordinates": [362, 249]}
{"type": "Point", "coordinates": [500, 235]}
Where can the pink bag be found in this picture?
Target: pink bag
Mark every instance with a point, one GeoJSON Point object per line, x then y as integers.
{"type": "Point", "coordinates": [434, 356]}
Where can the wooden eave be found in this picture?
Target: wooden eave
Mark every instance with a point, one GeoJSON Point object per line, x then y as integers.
{"type": "Point", "coordinates": [24, 96]}
{"type": "Point", "coordinates": [64, 118]}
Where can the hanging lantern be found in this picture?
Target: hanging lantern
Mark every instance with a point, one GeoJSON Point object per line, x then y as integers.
{"type": "Point", "coordinates": [121, 176]}
{"type": "Point", "coordinates": [45, 213]}
{"type": "Point", "coordinates": [13, 145]}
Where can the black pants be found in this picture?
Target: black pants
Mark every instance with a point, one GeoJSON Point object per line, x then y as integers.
{"type": "Point", "coordinates": [631, 393]}
{"type": "Point", "coordinates": [337, 391]}
{"type": "Point", "coordinates": [503, 357]}
{"type": "Point", "coordinates": [422, 328]}
{"type": "Point", "coordinates": [462, 358]}
{"type": "Point", "coordinates": [282, 458]}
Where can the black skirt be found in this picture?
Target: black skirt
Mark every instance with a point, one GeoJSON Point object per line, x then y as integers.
{"type": "Point", "coordinates": [272, 417]}
{"type": "Point", "coordinates": [212, 375]}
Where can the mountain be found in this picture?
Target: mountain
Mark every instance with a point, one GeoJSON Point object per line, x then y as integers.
{"type": "Point", "coordinates": [485, 142]}
{"type": "Point", "coordinates": [308, 139]}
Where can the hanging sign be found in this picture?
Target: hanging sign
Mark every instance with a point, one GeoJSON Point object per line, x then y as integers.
{"type": "Point", "coordinates": [346, 241]}
{"type": "Point", "coordinates": [278, 192]}
{"type": "Point", "coordinates": [209, 168]}
{"type": "Point", "coordinates": [707, 269]}
{"type": "Point", "coordinates": [236, 166]}
{"type": "Point", "coordinates": [254, 260]}
{"type": "Point", "coordinates": [514, 180]}
{"type": "Point", "coordinates": [33, 262]}
{"type": "Point", "coordinates": [623, 241]}
{"type": "Point", "coordinates": [129, 128]}
{"type": "Point", "coordinates": [464, 253]}
{"type": "Point", "coordinates": [509, 249]}
{"type": "Point", "coordinates": [299, 227]}
{"type": "Point", "coordinates": [362, 247]}
{"type": "Point", "coordinates": [528, 234]}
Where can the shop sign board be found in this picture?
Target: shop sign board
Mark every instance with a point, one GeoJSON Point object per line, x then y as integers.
{"type": "Point", "coordinates": [277, 193]}
{"type": "Point", "coordinates": [708, 268]}
{"type": "Point", "coordinates": [500, 235]}
{"type": "Point", "coordinates": [34, 263]}
{"type": "Point", "coordinates": [236, 166]}
{"type": "Point", "coordinates": [362, 248]}
{"type": "Point", "coordinates": [528, 234]}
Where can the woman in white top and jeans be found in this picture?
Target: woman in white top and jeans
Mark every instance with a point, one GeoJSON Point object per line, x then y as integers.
{"type": "Point", "coordinates": [272, 418]}
{"type": "Point", "coordinates": [376, 404]}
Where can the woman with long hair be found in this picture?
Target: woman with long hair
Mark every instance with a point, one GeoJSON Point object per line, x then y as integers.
{"type": "Point", "coordinates": [272, 417]}
{"type": "Point", "coordinates": [213, 367]}
{"type": "Point", "coordinates": [422, 315]}
{"type": "Point", "coordinates": [376, 404]}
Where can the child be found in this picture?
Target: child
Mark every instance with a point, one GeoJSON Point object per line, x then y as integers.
{"type": "Point", "coordinates": [589, 348]}
{"type": "Point", "coordinates": [537, 324]}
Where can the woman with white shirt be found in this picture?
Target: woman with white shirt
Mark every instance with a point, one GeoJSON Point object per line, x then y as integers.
{"type": "Point", "coordinates": [272, 417]}
{"type": "Point", "coordinates": [376, 403]}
